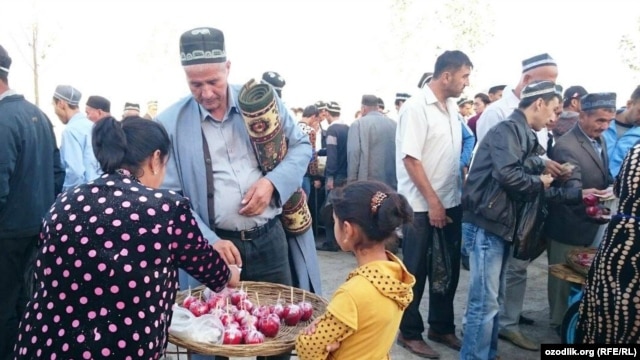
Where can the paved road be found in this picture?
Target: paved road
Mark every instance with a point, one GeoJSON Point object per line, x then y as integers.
{"type": "Point", "coordinates": [336, 265]}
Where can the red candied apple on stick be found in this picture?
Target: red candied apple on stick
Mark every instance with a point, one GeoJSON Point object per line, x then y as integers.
{"type": "Point", "coordinates": [292, 313]}
{"type": "Point", "coordinates": [306, 307]}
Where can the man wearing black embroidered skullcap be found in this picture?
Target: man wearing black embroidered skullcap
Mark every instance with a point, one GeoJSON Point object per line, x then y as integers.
{"type": "Point", "coordinates": [98, 107]}
{"type": "Point", "coordinates": [30, 178]}
{"type": "Point", "coordinates": [130, 109]}
{"type": "Point", "coordinates": [541, 67]}
{"type": "Point", "coordinates": [274, 79]}
{"type": "Point", "coordinates": [214, 163]}
{"type": "Point", "coordinates": [335, 170]}
{"type": "Point", "coordinates": [400, 99]}
{"type": "Point", "coordinates": [424, 79]}
{"type": "Point", "coordinates": [321, 127]}
{"type": "Point", "coordinates": [487, 202]}
{"type": "Point", "coordinates": [465, 108]}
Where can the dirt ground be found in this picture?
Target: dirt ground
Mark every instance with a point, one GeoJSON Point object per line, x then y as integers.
{"type": "Point", "coordinates": [336, 265]}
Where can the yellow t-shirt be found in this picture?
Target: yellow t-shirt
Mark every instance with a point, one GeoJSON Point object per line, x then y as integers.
{"type": "Point", "coordinates": [363, 315]}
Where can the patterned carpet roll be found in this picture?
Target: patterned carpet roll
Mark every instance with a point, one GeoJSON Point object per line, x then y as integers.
{"type": "Point", "coordinates": [260, 112]}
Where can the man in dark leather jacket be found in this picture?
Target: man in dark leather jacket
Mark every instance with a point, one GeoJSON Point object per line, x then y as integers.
{"type": "Point", "coordinates": [505, 173]}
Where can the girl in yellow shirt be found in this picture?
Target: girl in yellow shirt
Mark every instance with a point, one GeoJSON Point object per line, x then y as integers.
{"type": "Point", "coordinates": [364, 314]}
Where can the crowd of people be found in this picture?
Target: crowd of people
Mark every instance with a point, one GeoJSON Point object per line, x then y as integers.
{"type": "Point", "coordinates": [100, 233]}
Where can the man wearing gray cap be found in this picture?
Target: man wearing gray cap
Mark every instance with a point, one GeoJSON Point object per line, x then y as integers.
{"type": "Point", "coordinates": [30, 178]}
{"type": "Point", "coordinates": [212, 162]}
{"type": "Point", "coordinates": [76, 150]}
{"type": "Point", "coordinates": [584, 147]}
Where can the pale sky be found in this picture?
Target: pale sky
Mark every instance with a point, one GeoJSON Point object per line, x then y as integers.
{"type": "Point", "coordinates": [326, 50]}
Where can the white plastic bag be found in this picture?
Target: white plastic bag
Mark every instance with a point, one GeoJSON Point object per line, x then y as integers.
{"type": "Point", "coordinates": [205, 329]}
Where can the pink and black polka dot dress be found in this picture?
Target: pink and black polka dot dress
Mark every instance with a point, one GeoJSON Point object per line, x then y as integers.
{"type": "Point", "coordinates": [107, 272]}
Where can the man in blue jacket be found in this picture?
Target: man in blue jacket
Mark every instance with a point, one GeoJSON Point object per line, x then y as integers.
{"type": "Point", "coordinates": [623, 133]}
{"type": "Point", "coordinates": [212, 162]}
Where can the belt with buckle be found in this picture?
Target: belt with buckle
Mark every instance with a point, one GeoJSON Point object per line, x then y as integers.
{"type": "Point", "coordinates": [246, 235]}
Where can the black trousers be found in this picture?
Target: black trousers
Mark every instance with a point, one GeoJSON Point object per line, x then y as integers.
{"type": "Point", "coordinates": [15, 255]}
{"type": "Point", "coordinates": [266, 259]}
{"type": "Point", "coordinates": [416, 242]}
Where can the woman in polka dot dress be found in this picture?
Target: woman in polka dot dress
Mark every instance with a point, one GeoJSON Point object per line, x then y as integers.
{"type": "Point", "coordinates": [610, 308]}
{"type": "Point", "coordinates": [106, 273]}
{"type": "Point", "coordinates": [364, 314]}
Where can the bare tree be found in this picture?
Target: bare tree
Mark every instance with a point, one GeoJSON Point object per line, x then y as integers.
{"type": "Point", "coordinates": [38, 45]}
{"type": "Point", "coordinates": [157, 54]}
{"type": "Point", "coordinates": [629, 47]}
{"type": "Point", "coordinates": [422, 30]}
{"type": "Point", "coordinates": [38, 54]}
{"type": "Point", "coordinates": [410, 36]}
{"type": "Point", "coordinates": [470, 23]}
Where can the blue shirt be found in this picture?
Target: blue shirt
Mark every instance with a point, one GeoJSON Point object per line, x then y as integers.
{"type": "Point", "coordinates": [76, 152]}
{"type": "Point", "coordinates": [617, 148]}
{"type": "Point", "coordinates": [468, 142]}
{"type": "Point", "coordinates": [235, 168]}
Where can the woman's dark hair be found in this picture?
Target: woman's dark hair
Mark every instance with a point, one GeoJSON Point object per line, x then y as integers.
{"type": "Point", "coordinates": [127, 143]}
{"type": "Point", "coordinates": [377, 219]}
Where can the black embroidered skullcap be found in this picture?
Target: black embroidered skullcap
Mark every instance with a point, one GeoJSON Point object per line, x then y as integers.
{"type": "Point", "coordinates": [380, 103]}
{"type": "Point", "coordinates": [424, 80]}
{"type": "Point", "coordinates": [463, 101]}
{"type": "Point", "coordinates": [274, 79]}
{"type": "Point", "coordinates": [495, 89]}
{"type": "Point", "coordinates": [593, 101]}
{"type": "Point", "coordinates": [369, 100]}
{"type": "Point", "coordinates": [68, 93]}
{"type": "Point", "coordinates": [537, 61]}
{"type": "Point", "coordinates": [99, 102]}
{"type": "Point", "coordinates": [333, 107]}
{"type": "Point", "coordinates": [321, 105]}
{"type": "Point", "coordinates": [131, 106]}
{"type": "Point", "coordinates": [574, 92]}
{"type": "Point", "coordinates": [538, 88]}
{"type": "Point", "coordinates": [5, 60]}
{"type": "Point", "coordinates": [402, 96]}
{"type": "Point", "coordinates": [202, 46]}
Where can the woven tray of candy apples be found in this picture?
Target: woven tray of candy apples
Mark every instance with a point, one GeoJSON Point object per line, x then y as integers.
{"type": "Point", "coordinates": [256, 319]}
